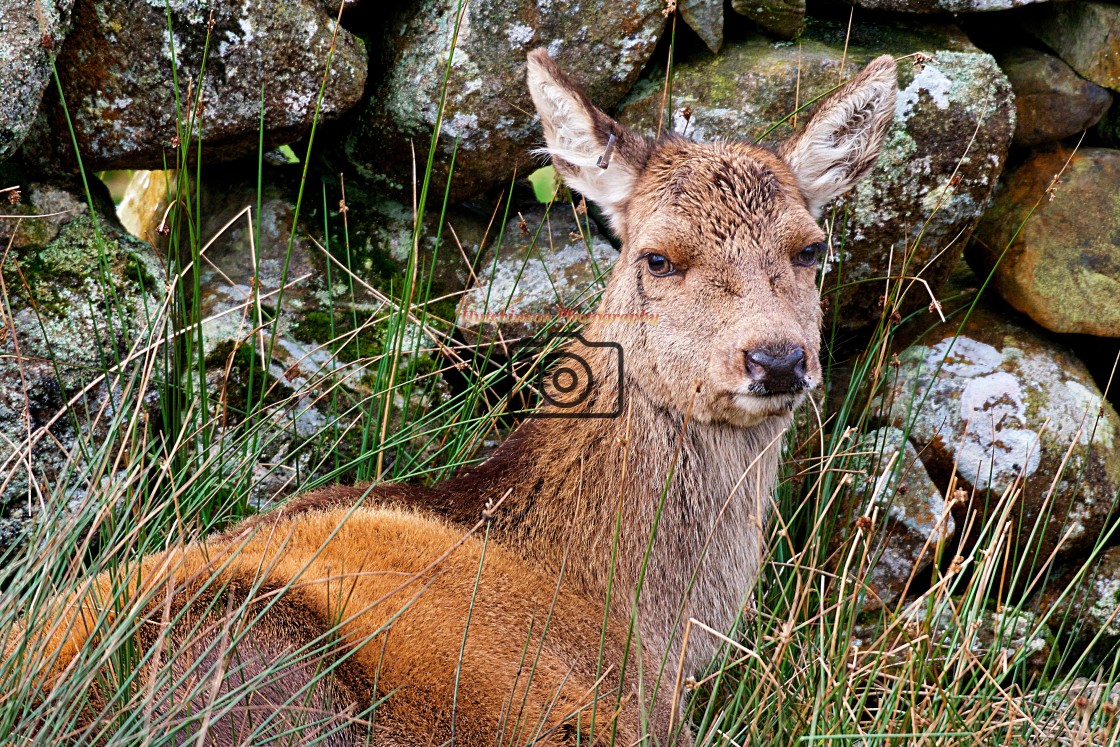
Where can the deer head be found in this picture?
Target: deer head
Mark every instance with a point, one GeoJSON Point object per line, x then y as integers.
{"type": "Point", "coordinates": [720, 242]}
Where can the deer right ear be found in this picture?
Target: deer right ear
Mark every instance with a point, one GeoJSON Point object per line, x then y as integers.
{"type": "Point", "coordinates": [578, 135]}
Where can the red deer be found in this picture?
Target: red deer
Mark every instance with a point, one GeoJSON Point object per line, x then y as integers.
{"type": "Point", "coordinates": [720, 245]}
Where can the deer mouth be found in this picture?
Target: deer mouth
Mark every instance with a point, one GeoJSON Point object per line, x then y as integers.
{"type": "Point", "coordinates": [787, 389]}
{"type": "Point", "coordinates": [747, 408]}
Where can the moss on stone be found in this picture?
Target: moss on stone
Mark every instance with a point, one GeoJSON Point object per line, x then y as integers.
{"type": "Point", "coordinates": [334, 330]}
{"type": "Point", "coordinates": [77, 250]}
{"type": "Point", "coordinates": [247, 385]}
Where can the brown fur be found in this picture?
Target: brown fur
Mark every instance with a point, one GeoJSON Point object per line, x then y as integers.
{"type": "Point", "coordinates": [695, 454]}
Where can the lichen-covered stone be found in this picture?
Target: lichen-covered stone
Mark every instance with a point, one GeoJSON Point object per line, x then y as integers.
{"type": "Point", "coordinates": [1002, 638]}
{"type": "Point", "coordinates": [1084, 34]}
{"type": "Point", "coordinates": [119, 79]}
{"type": "Point", "coordinates": [332, 6]}
{"type": "Point", "coordinates": [1053, 245]}
{"type": "Point", "coordinates": [909, 515]}
{"type": "Point", "coordinates": [783, 18]}
{"type": "Point", "coordinates": [944, 6]}
{"type": "Point", "coordinates": [487, 118]}
{"type": "Point", "coordinates": [1090, 606]}
{"type": "Point", "coordinates": [82, 302]}
{"type": "Point", "coordinates": [546, 264]}
{"type": "Point", "coordinates": [998, 641]}
{"type": "Point", "coordinates": [1080, 710]}
{"type": "Point", "coordinates": [1005, 408]}
{"type": "Point", "coordinates": [31, 31]}
{"type": "Point", "coordinates": [705, 17]}
{"type": "Point", "coordinates": [295, 323]}
{"type": "Point", "coordinates": [1052, 102]}
{"type": "Point", "coordinates": [941, 160]}
{"type": "Point", "coordinates": [450, 244]}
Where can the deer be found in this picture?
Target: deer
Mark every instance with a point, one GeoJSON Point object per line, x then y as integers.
{"type": "Point", "coordinates": [587, 541]}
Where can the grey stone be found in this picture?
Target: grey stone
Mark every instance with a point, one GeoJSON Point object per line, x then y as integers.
{"type": "Point", "coordinates": [31, 31]}
{"type": "Point", "coordinates": [320, 341]}
{"type": "Point", "coordinates": [940, 163]}
{"type": "Point", "coordinates": [1005, 408]}
{"type": "Point", "coordinates": [944, 6]}
{"type": "Point", "coordinates": [910, 519]}
{"type": "Point", "coordinates": [1085, 602]}
{"type": "Point", "coordinates": [1084, 34]}
{"type": "Point", "coordinates": [544, 265]}
{"type": "Point", "coordinates": [705, 17]}
{"type": "Point", "coordinates": [119, 85]}
{"type": "Point", "coordinates": [1002, 637]}
{"type": "Point", "coordinates": [1076, 707]}
{"type": "Point", "coordinates": [1052, 102]}
{"type": "Point", "coordinates": [82, 305]}
{"type": "Point", "coordinates": [488, 117]}
{"type": "Point", "coordinates": [997, 640]}
{"type": "Point", "coordinates": [783, 18]}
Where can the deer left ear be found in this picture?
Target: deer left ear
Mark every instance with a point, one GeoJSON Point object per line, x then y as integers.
{"type": "Point", "coordinates": [840, 143]}
{"type": "Point", "coordinates": [596, 155]}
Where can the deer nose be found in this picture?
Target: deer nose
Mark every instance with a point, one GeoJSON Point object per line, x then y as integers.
{"type": "Point", "coordinates": [780, 372]}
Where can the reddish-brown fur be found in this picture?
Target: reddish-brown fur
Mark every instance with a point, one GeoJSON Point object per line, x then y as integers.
{"type": "Point", "coordinates": [695, 452]}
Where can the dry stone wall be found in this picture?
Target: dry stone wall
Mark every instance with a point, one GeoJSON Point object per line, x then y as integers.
{"type": "Point", "coordinates": [1003, 153]}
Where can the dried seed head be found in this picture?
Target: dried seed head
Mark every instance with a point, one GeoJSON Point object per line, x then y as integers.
{"type": "Point", "coordinates": [920, 60]}
{"type": "Point", "coordinates": [956, 564]}
{"type": "Point", "coordinates": [14, 196]}
{"type": "Point", "coordinates": [864, 523]}
{"type": "Point", "coordinates": [1081, 703]}
{"type": "Point", "coordinates": [1052, 190]}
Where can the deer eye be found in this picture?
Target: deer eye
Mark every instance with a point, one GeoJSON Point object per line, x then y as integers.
{"type": "Point", "coordinates": [659, 265]}
{"type": "Point", "coordinates": [808, 256]}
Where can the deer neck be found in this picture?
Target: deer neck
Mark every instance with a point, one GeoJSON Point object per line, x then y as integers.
{"type": "Point", "coordinates": [582, 496]}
